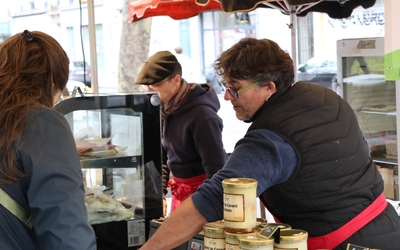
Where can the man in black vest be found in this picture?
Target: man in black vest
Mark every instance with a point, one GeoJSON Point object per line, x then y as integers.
{"type": "Point", "coordinates": [305, 149]}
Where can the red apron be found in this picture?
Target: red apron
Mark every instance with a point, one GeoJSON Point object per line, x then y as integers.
{"type": "Point", "coordinates": [335, 238]}
{"type": "Point", "coordinates": [181, 189]}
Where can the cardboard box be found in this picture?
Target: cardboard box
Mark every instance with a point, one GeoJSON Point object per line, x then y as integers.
{"type": "Point", "coordinates": [376, 146]}
{"type": "Point", "coordinates": [388, 179]}
{"type": "Point", "coordinates": [391, 148]}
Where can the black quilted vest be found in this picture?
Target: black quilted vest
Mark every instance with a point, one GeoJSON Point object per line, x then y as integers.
{"type": "Point", "coordinates": [335, 178]}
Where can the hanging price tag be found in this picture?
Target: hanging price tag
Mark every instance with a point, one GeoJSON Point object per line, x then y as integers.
{"type": "Point", "coordinates": [269, 231]}
{"type": "Point", "coordinates": [355, 247]}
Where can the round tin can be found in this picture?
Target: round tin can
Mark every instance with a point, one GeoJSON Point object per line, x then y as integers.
{"type": "Point", "coordinates": [293, 239]}
{"type": "Point", "coordinates": [240, 195]}
{"type": "Point", "coordinates": [232, 240]}
{"type": "Point", "coordinates": [253, 241]}
{"type": "Point", "coordinates": [214, 235]}
{"type": "Point", "coordinates": [260, 221]}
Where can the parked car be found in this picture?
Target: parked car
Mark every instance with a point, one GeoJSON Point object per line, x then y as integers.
{"type": "Point", "coordinates": [80, 71]}
{"type": "Point", "coordinates": [322, 71]}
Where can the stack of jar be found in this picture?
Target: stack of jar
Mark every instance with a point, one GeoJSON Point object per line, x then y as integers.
{"type": "Point", "coordinates": [214, 237]}
{"type": "Point", "coordinates": [239, 229]}
{"type": "Point", "coordinates": [292, 239]}
{"type": "Point", "coordinates": [240, 208]}
{"type": "Point", "coordinates": [239, 216]}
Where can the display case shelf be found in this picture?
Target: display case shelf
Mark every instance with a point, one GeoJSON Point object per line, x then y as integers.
{"type": "Point", "coordinates": [361, 81]}
{"type": "Point", "coordinates": [394, 113]}
{"type": "Point", "coordinates": [389, 161]}
{"type": "Point", "coordinates": [105, 162]}
{"type": "Point", "coordinates": [119, 144]}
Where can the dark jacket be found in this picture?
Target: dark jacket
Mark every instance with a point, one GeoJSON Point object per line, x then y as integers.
{"type": "Point", "coordinates": [52, 191]}
{"type": "Point", "coordinates": [335, 178]}
{"type": "Point", "coordinates": [192, 136]}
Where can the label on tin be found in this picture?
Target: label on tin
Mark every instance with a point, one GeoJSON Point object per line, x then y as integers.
{"type": "Point", "coordinates": [230, 246]}
{"type": "Point", "coordinates": [214, 243]}
{"type": "Point", "coordinates": [234, 207]}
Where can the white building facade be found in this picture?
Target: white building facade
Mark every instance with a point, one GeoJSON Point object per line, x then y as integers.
{"type": "Point", "coordinates": [202, 37]}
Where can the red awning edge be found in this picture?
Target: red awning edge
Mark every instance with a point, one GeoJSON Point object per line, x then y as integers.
{"type": "Point", "coordinates": [177, 10]}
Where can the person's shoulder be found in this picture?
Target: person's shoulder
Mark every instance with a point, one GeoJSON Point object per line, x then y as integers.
{"type": "Point", "coordinates": [46, 115]}
{"type": "Point", "coordinates": [264, 134]}
{"type": "Point", "coordinates": [206, 100]}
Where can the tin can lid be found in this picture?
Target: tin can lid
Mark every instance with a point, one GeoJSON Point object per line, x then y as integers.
{"type": "Point", "coordinates": [239, 183]}
{"type": "Point", "coordinates": [219, 224]}
{"type": "Point", "coordinates": [260, 220]}
{"type": "Point", "coordinates": [293, 235]}
{"type": "Point", "coordinates": [237, 235]}
{"type": "Point", "coordinates": [214, 227]}
{"type": "Point", "coordinates": [255, 240]}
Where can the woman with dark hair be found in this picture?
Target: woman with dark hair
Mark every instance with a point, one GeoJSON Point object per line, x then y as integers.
{"type": "Point", "coordinates": [42, 193]}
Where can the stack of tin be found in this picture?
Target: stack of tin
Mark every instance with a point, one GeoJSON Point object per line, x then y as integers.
{"type": "Point", "coordinates": [241, 230]}
{"type": "Point", "coordinates": [214, 236]}
{"type": "Point", "coordinates": [240, 195]}
{"type": "Point", "coordinates": [240, 220]}
{"type": "Point", "coordinates": [292, 239]}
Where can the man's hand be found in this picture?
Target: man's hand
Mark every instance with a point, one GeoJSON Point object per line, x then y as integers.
{"type": "Point", "coordinates": [176, 230]}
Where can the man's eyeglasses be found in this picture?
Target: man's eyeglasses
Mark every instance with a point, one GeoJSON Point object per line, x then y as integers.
{"type": "Point", "coordinates": [235, 93]}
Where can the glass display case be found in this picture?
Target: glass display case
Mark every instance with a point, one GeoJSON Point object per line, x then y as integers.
{"type": "Point", "coordinates": [361, 81]}
{"type": "Point", "coordinates": [119, 144]}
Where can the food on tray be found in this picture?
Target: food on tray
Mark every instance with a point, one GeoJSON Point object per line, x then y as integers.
{"type": "Point", "coordinates": [100, 153]}
{"type": "Point", "coordinates": [101, 203]}
{"type": "Point", "coordinates": [379, 107]}
{"type": "Point", "coordinates": [103, 208]}
{"type": "Point", "coordinates": [96, 147]}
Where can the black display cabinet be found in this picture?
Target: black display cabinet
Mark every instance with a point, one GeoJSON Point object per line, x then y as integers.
{"type": "Point", "coordinates": [125, 162]}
